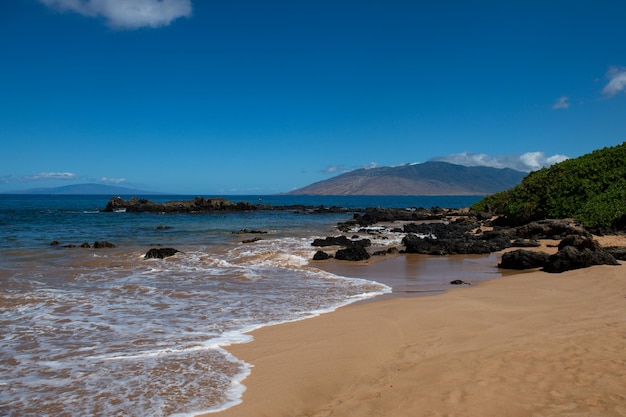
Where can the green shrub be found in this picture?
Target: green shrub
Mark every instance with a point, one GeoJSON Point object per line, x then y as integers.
{"type": "Point", "coordinates": [591, 189]}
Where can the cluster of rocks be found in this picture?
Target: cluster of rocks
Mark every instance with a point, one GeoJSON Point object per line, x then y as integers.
{"type": "Point", "coordinates": [450, 232]}
{"type": "Point", "coordinates": [574, 252]}
{"type": "Point", "coordinates": [352, 250]}
{"type": "Point", "coordinates": [376, 215]}
{"type": "Point", "coordinates": [99, 244]}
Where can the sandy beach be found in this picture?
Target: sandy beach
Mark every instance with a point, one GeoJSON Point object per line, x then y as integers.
{"type": "Point", "coordinates": [527, 344]}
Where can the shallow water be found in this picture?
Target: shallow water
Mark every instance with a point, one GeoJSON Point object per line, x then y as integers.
{"type": "Point", "coordinates": [95, 332]}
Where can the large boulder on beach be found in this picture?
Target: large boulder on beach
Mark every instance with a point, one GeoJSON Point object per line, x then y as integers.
{"type": "Point", "coordinates": [321, 256]}
{"type": "Point", "coordinates": [352, 253]}
{"type": "Point", "coordinates": [577, 252]}
{"type": "Point", "coordinates": [523, 259]}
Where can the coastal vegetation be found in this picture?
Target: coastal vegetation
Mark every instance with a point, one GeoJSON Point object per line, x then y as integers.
{"type": "Point", "coordinates": [590, 189]}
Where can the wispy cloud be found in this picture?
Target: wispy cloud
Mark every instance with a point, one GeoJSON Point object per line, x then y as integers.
{"type": "Point", "coordinates": [65, 176]}
{"type": "Point", "coordinates": [526, 162]}
{"type": "Point", "coordinates": [617, 81]}
{"type": "Point", "coordinates": [333, 169]}
{"type": "Point", "coordinates": [370, 165]}
{"type": "Point", "coordinates": [107, 180]}
{"type": "Point", "coordinates": [127, 14]}
{"type": "Point", "coordinates": [561, 103]}
{"type": "Point", "coordinates": [342, 169]}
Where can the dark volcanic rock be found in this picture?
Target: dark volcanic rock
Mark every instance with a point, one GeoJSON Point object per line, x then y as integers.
{"type": "Point", "coordinates": [523, 259]}
{"type": "Point", "coordinates": [378, 215]}
{"type": "Point", "coordinates": [522, 243]}
{"type": "Point", "coordinates": [459, 282]}
{"type": "Point", "coordinates": [364, 243]}
{"type": "Point", "coordinates": [577, 252]}
{"type": "Point", "coordinates": [103, 244]}
{"type": "Point", "coordinates": [352, 253]}
{"type": "Point", "coordinates": [321, 256]}
{"type": "Point", "coordinates": [251, 232]}
{"type": "Point", "coordinates": [448, 239]}
{"type": "Point", "coordinates": [440, 230]}
{"type": "Point", "coordinates": [332, 241]}
{"type": "Point", "coordinates": [341, 241]}
{"type": "Point", "coordinates": [160, 253]}
{"type": "Point", "coordinates": [196, 205]}
{"type": "Point", "coordinates": [550, 229]}
{"type": "Point", "coordinates": [618, 252]}
{"type": "Point", "coordinates": [254, 239]}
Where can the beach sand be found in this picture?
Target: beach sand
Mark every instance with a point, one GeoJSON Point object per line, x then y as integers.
{"type": "Point", "coordinates": [528, 344]}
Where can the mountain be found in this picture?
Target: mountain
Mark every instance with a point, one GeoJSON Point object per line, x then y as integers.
{"type": "Point", "coordinates": [429, 178]}
{"type": "Point", "coordinates": [85, 189]}
{"type": "Point", "coordinates": [590, 189]}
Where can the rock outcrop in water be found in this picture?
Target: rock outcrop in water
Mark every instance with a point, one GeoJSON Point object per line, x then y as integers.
{"type": "Point", "coordinates": [160, 253]}
{"type": "Point", "coordinates": [98, 244]}
{"type": "Point", "coordinates": [196, 205]}
{"type": "Point", "coordinates": [210, 205]}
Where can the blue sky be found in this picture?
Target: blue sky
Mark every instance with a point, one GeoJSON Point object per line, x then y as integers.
{"type": "Point", "coordinates": [261, 97]}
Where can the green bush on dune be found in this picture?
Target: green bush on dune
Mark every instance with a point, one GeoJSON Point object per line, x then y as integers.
{"type": "Point", "coordinates": [591, 189]}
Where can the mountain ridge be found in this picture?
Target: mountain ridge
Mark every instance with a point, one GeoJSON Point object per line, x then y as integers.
{"type": "Point", "coordinates": [428, 178]}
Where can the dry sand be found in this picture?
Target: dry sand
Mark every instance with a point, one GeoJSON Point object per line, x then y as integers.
{"type": "Point", "coordinates": [531, 344]}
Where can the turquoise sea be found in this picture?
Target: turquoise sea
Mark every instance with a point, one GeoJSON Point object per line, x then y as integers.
{"type": "Point", "coordinates": [93, 332]}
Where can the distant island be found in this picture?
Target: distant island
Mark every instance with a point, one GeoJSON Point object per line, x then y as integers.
{"type": "Point", "coordinates": [94, 189]}
{"type": "Point", "coordinates": [428, 178]}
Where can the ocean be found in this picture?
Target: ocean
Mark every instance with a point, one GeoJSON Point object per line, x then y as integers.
{"type": "Point", "coordinates": [93, 332]}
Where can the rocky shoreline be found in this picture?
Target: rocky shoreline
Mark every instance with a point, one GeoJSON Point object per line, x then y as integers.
{"type": "Point", "coordinates": [435, 231]}
{"type": "Point", "coordinates": [443, 232]}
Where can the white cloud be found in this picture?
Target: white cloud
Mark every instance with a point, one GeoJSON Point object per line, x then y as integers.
{"type": "Point", "coordinates": [617, 81]}
{"type": "Point", "coordinates": [333, 169]}
{"type": "Point", "coordinates": [526, 162]}
{"type": "Point", "coordinates": [127, 14]}
{"type": "Point", "coordinates": [112, 180]}
{"type": "Point", "coordinates": [51, 176]}
{"type": "Point", "coordinates": [341, 169]}
{"type": "Point", "coordinates": [370, 165]}
{"type": "Point", "coordinates": [562, 103]}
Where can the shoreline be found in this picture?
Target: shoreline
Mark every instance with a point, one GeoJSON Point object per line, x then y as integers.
{"type": "Point", "coordinates": [525, 344]}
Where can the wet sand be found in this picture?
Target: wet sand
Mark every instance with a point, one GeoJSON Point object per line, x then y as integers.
{"type": "Point", "coordinates": [528, 344]}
